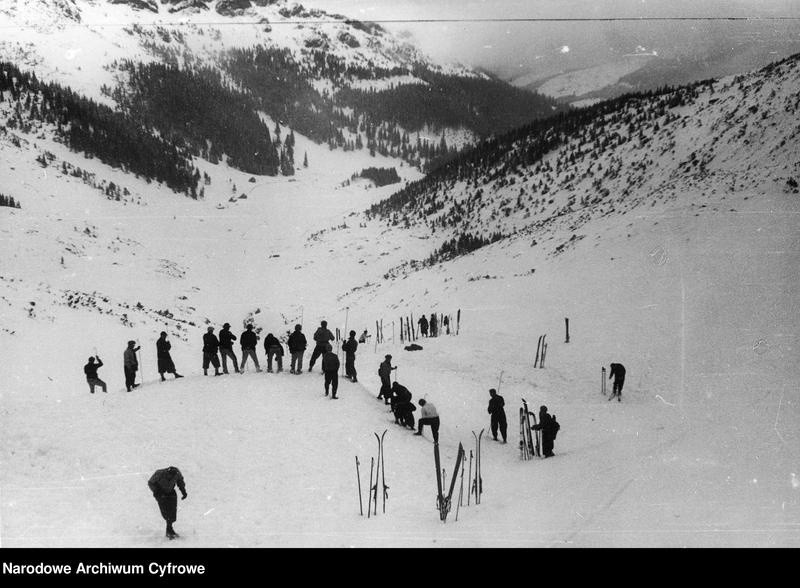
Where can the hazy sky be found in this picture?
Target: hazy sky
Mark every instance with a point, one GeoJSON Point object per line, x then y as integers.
{"type": "Point", "coordinates": [507, 48]}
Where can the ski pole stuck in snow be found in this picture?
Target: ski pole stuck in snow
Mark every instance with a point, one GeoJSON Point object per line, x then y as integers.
{"type": "Point", "coordinates": [358, 478]}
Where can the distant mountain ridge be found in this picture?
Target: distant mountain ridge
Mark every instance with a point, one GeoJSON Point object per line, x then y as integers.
{"type": "Point", "coordinates": [337, 80]}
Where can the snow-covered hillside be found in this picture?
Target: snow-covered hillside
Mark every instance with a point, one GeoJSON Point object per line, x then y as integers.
{"type": "Point", "coordinates": [689, 279]}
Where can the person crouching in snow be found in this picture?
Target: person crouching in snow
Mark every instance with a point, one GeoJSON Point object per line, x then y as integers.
{"type": "Point", "coordinates": [162, 484]}
{"type": "Point", "coordinates": [428, 416]}
{"type": "Point", "coordinates": [330, 367]}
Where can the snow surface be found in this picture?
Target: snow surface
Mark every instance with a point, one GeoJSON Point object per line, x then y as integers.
{"type": "Point", "coordinates": [695, 296]}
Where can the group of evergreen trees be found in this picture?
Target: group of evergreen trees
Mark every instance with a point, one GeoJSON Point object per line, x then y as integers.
{"type": "Point", "coordinates": [380, 176]}
{"type": "Point", "coordinates": [9, 201]}
{"type": "Point", "coordinates": [97, 130]}
{"type": "Point", "coordinates": [204, 113]}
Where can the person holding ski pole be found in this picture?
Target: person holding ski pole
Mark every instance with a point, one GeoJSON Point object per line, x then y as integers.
{"type": "Point", "coordinates": [90, 369]}
{"type": "Point", "coordinates": [549, 427]}
{"type": "Point", "coordinates": [384, 372]}
{"type": "Point", "coordinates": [618, 373]}
{"type": "Point", "coordinates": [349, 347]}
{"type": "Point", "coordinates": [498, 414]}
{"type": "Point", "coordinates": [162, 484]}
{"type": "Point", "coordinates": [428, 416]}
{"type": "Point", "coordinates": [226, 339]}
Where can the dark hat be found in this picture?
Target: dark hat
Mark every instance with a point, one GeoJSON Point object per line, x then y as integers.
{"type": "Point", "coordinates": [421, 402]}
{"type": "Point", "coordinates": [352, 333]}
{"type": "Point", "coordinates": [226, 325]}
{"type": "Point", "coordinates": [249, 326]}
{"type": "Point", "coordinates": [492, 391]}
{"type": "Point", "coordinates": [324, 323]}
{"type": "Point", "coordinates": [543, 408]}
{"type": "Point", "coordinates": [210, 328]}
{"type": "Point", "coordinates": [131, 343]}
{"type": "Point", "coordinates": [297, 327]}
{"type": "Point", "coordinates": [163, 333]}
{"type": "Point", "coordinates": [328, 347]}
{"type": "Point", "coordinates": [388, 356]}
{"type": "Point", "coordinates": [91, 360]}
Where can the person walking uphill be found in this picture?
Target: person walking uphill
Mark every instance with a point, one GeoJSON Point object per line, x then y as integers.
{"type": "Point", "coordinates": [496, 404]}
{"type": "Point", "coordinates": [618, 373]}
{"type": "Point", "coordinates": [321, 336]}
{"type": "Point", "coordinates": [297, 346]}
{"type": "Point", "coordinates": [248, 341]}
{"type": "Point", "coordinates": [549, 428]}
{"type": "Point", "coordinates": [349, 347]}
{"type": "Point", "coordinates": [434, 325]}
{"type": "Point", "coordinates": [226, 339]}
{"type": "Point", "coordinates": [131, 365]}
{"type": "Point", "coordinates": [210, 346]}
{"type": "Point", "coordinates": [273, 348]}
{"type": "Point", "coordinates": [162, 484]}
{"type": "Point", "coordinates": [423, 326]}
{"type": "Point", "coordinates": [330, 367]}
{"type": "Point", "coordinates": [384, 371]}
{"type": "Point", "coordinates": [90, 369]}
{"type": "Point", "coordinates": [165, 363]}
{"type": "Point", "coordinates": [428, 416]}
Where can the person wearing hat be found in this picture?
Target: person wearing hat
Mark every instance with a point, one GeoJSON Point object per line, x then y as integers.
{"type": "Point", "coordinates": [90, 369]}
{"type": "Point", "coordinates": [248, 341]}
{"type": "Point", "coordinates": [321, 336]}
{"type": "Point", "coordinates": [549, 427]}
{"type": "Point", "coordinates": [385, 371]}
{"type": "Point", "coordinates": [428, 416]}
{"type": "Point", "coordinates": [165, 363]}
{"type": "Point", "coordinates": [210, 346]}
{"type": "Point", "coordinates": [330, 367]}
{"type": "Point", "coordinates": [131, 365]}
{"type": "Point", "coordinates": [297, 346]}
{"type": "Point", "coordinates": [349, 347]}
{"type": "Point", "coordinates": [498, 414]}
{"type": "Point", "coordinates": [273, 348]}
{"type": "Point", "coordinates": [226, 339]}
{"type": "Point", "coordinates": [617, 371]}
{"type": "Point", "coordinates": [162, 484]}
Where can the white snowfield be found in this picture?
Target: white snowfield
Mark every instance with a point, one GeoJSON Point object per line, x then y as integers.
{"type": "Point", "coordinates": [695, 295]}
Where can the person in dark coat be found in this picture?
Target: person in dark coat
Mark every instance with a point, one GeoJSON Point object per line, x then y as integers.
{"type": "Point", "coordinates": [210, 347]}
{"type": "Point", "coordinates": [402, 407]}
{"type": "Point", "coordinates": [273, 348]}
{"type": "Point", "coordinates": [226, 339]}
{"type": "Point", "coordinates": [321, 336]}
{"type": "Point", "coordinates": [349, 347]}
{"type": "Point", "coordinates": [428, 416]}
{"type": "Point", "coordinates": [446, 323]}
{"type": "Point", "coordinates": [90, 369]}
{"type": "Point", "coordinates": [384, 372]}
{"type": "Point", "coordinates": [297, 346]}
{"type": "Point", "coordinates": [423, 326]}
{"type": "Point", "coordinates": [165, 363]}
{"type": "Point", "coordinates": [162, 484]}
{"type": "Point", "coordinates": [330, 367]}
{"type": "Point", "coordinates": [549, 427]}
{"type": "Point", "coordinates": [496, 404]}
{"type": "Point", "coordinates": [434, 325]}
{"type": "Point", "coordinates": [618, 373]}
{"type": "Point", "coordinates": [248, 342]}
{"type": "Point", "coordinates": [131, 365]}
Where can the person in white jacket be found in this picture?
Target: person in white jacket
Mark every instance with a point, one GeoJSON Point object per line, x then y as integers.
{"type": "Point", "coordinates": [428, 416]}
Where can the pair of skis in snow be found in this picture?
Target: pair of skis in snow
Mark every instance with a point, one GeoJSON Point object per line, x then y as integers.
{"type": "Point", "coordinates": [444, 502]}
{"type": "Point", "coordinates": [379, 476]}
{"type": "Point", "coordinates": [529, 438]}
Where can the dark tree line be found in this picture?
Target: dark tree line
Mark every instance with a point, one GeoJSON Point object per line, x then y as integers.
{"type": "Point", "coordinates": [380, 176]}
{"type": "Point", "coordinates": [496, 158]}
{"type": "Point", "coordinates": [9, 201]}
{"type": "Point", "coordinates": [204, 113]}
{"type": "Point", "coordinates": [97, 130]}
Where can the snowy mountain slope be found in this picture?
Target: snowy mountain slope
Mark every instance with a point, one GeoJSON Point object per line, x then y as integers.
{"type": "Point", "coordinates": [696, 294]}
{"type": "Point", "coordinates": [326, 76]}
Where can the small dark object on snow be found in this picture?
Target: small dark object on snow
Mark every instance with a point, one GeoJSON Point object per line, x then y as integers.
{"type": "Point", "coordinates": [413, 347]}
